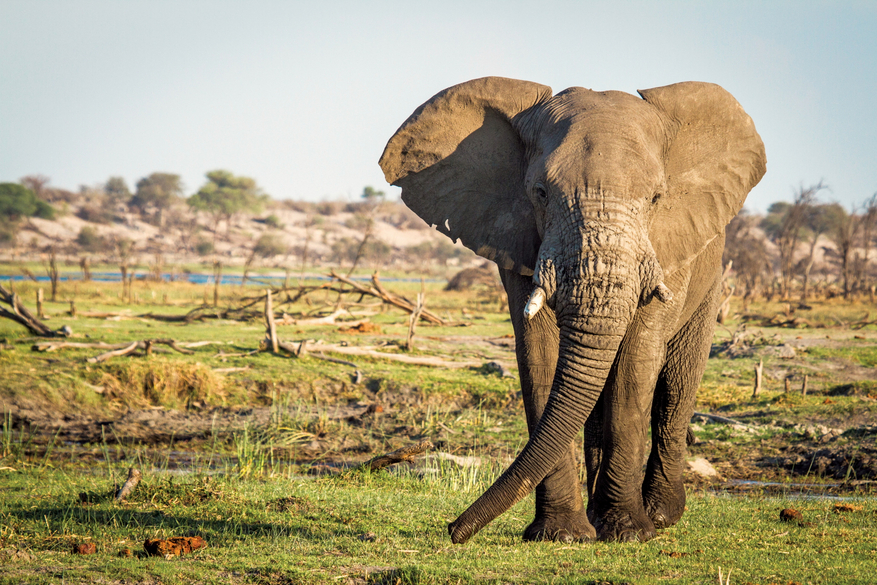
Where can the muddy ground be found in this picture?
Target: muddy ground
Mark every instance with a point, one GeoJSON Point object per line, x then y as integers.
{"type": "Point", "coordinates": [840, 453]}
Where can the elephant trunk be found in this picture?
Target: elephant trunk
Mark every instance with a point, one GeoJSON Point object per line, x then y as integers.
{"type": "Point", "coordinates": [588, 347]}
{"type": "Point", "coordinates": [595, 295]}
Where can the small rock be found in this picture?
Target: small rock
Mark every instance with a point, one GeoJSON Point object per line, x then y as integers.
{"type": "Point", "coordinates": [496, 368]}
{"type": "Point", "coordinates": [787, 352]}
{"type": "Point", "coordinates": [791, 515]}
{"type": "Point", "coordinates": [702, 467]}
{"type": "Point", "coordinates": [86, 548]}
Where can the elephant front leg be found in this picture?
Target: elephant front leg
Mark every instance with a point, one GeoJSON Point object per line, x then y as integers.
{"type": "Point", "coordinates": [615, 506]}
{"type": "Point", "coordinates": [560, 513]}
{"type": "Point", "coordinates": [675, 395]}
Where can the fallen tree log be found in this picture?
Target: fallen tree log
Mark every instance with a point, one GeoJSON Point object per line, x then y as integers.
{"type": "Point", "coordinates": [22, 316]}
{"type": "Point", "coordinates": [720, 419]}
{"type": "Point", "coordinates": [49, 346]}
{"type": "Point", "coordinates": [145, 345]}
{"type": "Point", "coordinates": [302, 347]}
{"type": "Point", "coordinates": [203, 313]}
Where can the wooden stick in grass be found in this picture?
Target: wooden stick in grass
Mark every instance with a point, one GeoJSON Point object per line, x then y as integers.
{"type": "Point", "coordinates": [403, 455]}
{"type": "Point", "coordinates": [269, 319]}
{"type": "Point", "coordinates": [134, 477]}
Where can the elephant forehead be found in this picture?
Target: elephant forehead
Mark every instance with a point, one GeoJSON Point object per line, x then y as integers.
{"type": "Point", "coordinates": [604, 164]}
{"type": "Point", "coordinates": [605, 144]}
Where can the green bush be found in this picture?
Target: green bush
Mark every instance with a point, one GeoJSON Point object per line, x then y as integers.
{"type": "Point", "coordinates": [203, 247]}
{"type": "Point", "coordinates": [17, 202]}
{"type": "Point", "coordinates": [273, 221]}
{"type": "Point", "coordinates": [269, 245]}
{"type": "Point", "coordinates": [89, 240]}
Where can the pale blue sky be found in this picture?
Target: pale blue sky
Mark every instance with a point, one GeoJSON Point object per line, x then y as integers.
{"type": "Point", "coordinates": [303, 96]}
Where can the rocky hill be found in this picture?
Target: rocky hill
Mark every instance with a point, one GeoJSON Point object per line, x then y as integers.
{"type": "Point", "coordinates": [379, 235]}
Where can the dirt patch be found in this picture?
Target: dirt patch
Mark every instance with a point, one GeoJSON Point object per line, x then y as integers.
{"type": "Point", "coordinates": [364, 327]}
{"type": "Point", "coordinates": [843, 463]}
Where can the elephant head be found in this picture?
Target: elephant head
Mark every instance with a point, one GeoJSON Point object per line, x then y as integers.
{"type": "Point", "coordinates": [600, 196]}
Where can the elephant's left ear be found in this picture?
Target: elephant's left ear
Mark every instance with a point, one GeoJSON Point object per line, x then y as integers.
{"type": "Point", "coordinates": [714, 157]}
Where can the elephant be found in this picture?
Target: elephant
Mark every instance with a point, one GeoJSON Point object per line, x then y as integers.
{"type": "Point", "coordinates": [605, 213]}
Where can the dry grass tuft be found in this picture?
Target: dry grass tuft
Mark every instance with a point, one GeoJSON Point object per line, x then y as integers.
{"type": "Point", "coordinates": [162, 383]}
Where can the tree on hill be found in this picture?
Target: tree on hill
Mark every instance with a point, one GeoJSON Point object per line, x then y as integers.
{"type": "Point", "coordinates": [371, 194]}
{"type": "Point", "coordinates": [39, 184]}
{"type": "Point", "coordinates": [224, 195]}
{"type": "Point", "coordinates": [16, 203]}
{"type": "Point", "coordinates": [266, 246]}
{"type": "Point", "coordinates": [117, 188]}
{"type": "Point", "coordinates": [156, 193]}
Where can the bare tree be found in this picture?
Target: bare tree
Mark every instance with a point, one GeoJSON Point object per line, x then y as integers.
{"type": "Point", "coordinates": [745, 249]}
{"type": "Point", "coordinates": [52, 271]}
{"type": "Point", "coordinates": [124, 247]}
{"type": "Point", "coordinates": [816, 224]}
{"type": "Point", "coordinates": [844, 231]}
{"type": "Point", "coordinates": [784, 224]}
{"type": "Point", "coordinates": [868, 221]}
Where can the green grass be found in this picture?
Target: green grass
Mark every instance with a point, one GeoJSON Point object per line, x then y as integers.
{"type": "Point", "coordinates": [266, 523]}
{"type": "Point", "coordinates": [392, 528]}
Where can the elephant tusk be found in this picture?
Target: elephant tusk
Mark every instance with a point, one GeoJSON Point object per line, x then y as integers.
{"type": "Point", "coordinates": [664, 294]}
{"type": "Point", "coordinates": [534, 304]}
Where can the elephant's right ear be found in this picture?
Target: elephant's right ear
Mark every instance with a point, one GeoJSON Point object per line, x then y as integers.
{"type": "Point", "coordinates": [461, 164]}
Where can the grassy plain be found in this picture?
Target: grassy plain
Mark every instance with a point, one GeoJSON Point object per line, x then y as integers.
{"type": "Point", "coordinates": [241, 449]}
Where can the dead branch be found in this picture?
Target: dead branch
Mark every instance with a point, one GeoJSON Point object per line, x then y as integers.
{"type": "Point", "coordinates": [145, 345]}
{"type": "Point", "coordinates": [412, 321]}
{"type": "Point", "coordinates": [863, 322]}
{"type": "Point", "coordinates": [22, 316]}
{"type": "Point", "coordinates": [300, 349]}
{"type": "Point", "coordinates": [325, 320]}
{"type": "Point", "coordinates": [222, 354]}
{"type": "Point", "coordinates": [403, 455]}
{"type": "Point", "coordinates": [378, 290]}
{"type": "Point", "coordinates": [130, 348]}
{"type": "Point", "coordinates": [202, 313]}
{"type": "Point", "coordinates": [56, 345]}
{"type": "Point", "coordinates": [326, 358]}
{"type": "Point", "coordinates": [50, 346]}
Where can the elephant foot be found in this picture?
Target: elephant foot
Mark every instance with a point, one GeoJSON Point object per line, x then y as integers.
{"type": "Point", "coordinates": [561, 527]}
{"type": "Point", "coordinates": [665, 507]}
{"type": "Point", "coordinates": [623, 526]}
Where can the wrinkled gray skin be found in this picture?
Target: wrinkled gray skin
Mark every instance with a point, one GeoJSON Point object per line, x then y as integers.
{"type": "Point", "coordinates": [612, 209]}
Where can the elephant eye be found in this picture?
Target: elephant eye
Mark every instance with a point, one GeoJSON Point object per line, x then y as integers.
{"type": "Point", "coordinates": [541, 192]}
{"type": "Point", "coordinates": [655, 198]}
